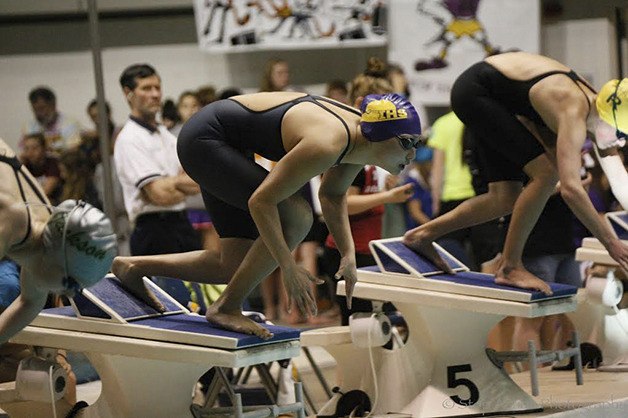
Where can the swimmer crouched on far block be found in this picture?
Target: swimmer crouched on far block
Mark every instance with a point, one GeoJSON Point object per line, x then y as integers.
{"type": "Point", "coordinates": [260, 215]}
{"type": "Point", "coordinates": [530, 114]}
{"type": "Point", "coordinates": [60, 249]}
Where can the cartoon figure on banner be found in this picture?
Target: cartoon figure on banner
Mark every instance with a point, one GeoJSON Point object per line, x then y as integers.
{"type": "Point", "coordinates": [361, 13]}
{"type": "Point", "coordinates": [304, 18]}
{"type": "Point", "coordinates": [464, 23]}
{"type": "Point", "coordinates": [226, 7]}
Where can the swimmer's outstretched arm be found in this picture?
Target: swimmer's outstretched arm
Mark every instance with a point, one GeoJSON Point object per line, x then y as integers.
{"type": "Point", "coordinates": [22, 310]}
{"type": "Point", "coordinates": [615, 172]}
{"type": "Point", "coordinates": [571, 135]}
{"type": "Point", "coordinates": [333, 197]}
{"type": "Point", "coordinates": [307, 159]}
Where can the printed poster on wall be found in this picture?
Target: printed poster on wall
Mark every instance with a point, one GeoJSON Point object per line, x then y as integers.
{"type": "Point", "coordinates": [246, 25]}
{"type": "Point", "coordinates": [436, 40]}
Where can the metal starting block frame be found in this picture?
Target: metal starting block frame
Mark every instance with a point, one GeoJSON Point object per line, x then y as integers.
{"type": "Point", "coordinates": [534, 358]}
{"type": "Point", "coordinates": [254, 411]}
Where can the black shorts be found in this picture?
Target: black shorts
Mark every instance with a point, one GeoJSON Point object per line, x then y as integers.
{"type": "Point", "coordinates": [505, 146]}
{"type": "Point", "coordinates": [164, 233]}
{"type": "Point", "coordinates": [228, 176]}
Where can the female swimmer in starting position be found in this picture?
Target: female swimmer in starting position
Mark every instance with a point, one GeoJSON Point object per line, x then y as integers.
{"type": "Point", "coordinates": [531, 115]}
{"type": "Point", "coordinates": [260, 216]}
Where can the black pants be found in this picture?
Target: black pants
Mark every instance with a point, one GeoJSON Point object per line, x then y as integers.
{"type": "Point", "coordinates": [164, 233]}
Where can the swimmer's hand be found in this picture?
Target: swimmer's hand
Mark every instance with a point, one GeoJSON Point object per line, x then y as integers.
{"type": "Point", "coordinates": [297, 281]}
{"type": "Point", "coordinates": [348, 272]}
{"type": "Point", "coordinates": [619, 251]}
{"type": "Point", "coordinates": [399, 194]}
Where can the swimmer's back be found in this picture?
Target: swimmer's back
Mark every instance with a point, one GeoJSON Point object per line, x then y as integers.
{"type": "Point", "coordinates": [523, 65]}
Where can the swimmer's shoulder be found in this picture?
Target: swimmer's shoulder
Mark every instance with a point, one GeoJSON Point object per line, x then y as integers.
{"type": "Point", "coordinates": [266, 100]}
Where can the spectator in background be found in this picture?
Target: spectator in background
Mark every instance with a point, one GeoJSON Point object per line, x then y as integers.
{"type": "Point", "coordinates": [169, 114]}
{"type": "Point", "coordinates": [42, 166]}
{"type": "Point", "coordinates": [187, 105]}
{"type": "Point", "coordinates": [276, 76]}
{"type": "Point", "coordinates": [77, 173]}
{"type": "Point", "coordinates": [90, 139]}
{"type": "Point", "coordinates": [153, 183]}
{"type": "Point", "coordinates": [337, 90]}
{"type": "Point", "coordinates": [206, 95]}
{"type": "Point", "coordinates": [92, 112]}
{"type": "Point", "coordinates": [419, 206]}
{"type": "Point", "coordinates": [61, 131]}
{"type": "Point", "coordinates": [229, 92]}
{"type": "Point", "coordinates": [398, 80]}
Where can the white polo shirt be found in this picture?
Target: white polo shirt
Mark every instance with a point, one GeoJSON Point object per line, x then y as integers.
{"type": "Point", "coordinates": [143, 154]}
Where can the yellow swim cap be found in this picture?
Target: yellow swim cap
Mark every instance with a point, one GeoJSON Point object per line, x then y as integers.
{"type": "Point", "coordinates": [612, 105]}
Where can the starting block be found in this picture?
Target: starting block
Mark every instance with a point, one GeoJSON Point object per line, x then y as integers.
{"type": "Point", "coordinates": [443, 370]}
{"type": "Point", "coordinates": [612, 322]}
{"type": "Point", "coordinates": [148, 362]}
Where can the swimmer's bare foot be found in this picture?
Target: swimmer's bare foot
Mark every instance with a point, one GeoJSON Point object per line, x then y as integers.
{"type": "Point", "coordinates": [124, 269]}
{"type": "Point", "coordinates": [519, 277]}
{"type": "Point", "coordinates": [235, 321]}
{"type": "Point", "coordinates": [425, 247]}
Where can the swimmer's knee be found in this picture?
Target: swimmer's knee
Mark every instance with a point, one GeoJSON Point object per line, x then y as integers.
{"type": "Point", "coordinates": [541, 169]}
{"type": "Point", "coordinates": [504, 194]}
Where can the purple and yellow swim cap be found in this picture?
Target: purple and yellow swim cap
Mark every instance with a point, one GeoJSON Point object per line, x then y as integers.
{"type": "Point", "coordinates": [385, 116]}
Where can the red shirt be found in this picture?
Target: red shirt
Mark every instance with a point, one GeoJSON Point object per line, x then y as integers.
{"type": "Point", "coordinates": [365, 226]}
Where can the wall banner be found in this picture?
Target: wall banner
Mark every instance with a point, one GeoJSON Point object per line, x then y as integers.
{"type": "Point", "coordinates": [435, 40]}
{"type": "Point", "coordinates": [246, 25]}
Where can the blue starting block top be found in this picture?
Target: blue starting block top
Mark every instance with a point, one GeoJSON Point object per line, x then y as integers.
{"type": "Point", "coordinates": [619, 222]}
{"type": "Point", "coordinates": [413, 270]}
{"type": "Point", "coordinates": [186, 324]}
{"type": "Point", "coordinates": [110, 292]}
{"type": "Point", "coordinates": [107, 308]}
{"type": "Point", "coordinates": [393, 256]}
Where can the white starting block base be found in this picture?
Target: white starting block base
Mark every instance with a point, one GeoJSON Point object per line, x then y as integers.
{"type": "Point", "coordinates": [150, 376]}
{"type": "Point", "coordinates": [143, 378]}
{"type": "Point", "coordinates": [444, 358]}
{"type": "Point", "coordinates": [610, 332]}
{"type": "Point", "coordinates": [443, 369]}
